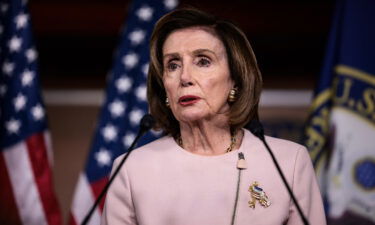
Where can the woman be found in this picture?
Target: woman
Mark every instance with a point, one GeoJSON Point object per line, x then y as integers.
{"type": "Point", "coordinates": [203, 87]}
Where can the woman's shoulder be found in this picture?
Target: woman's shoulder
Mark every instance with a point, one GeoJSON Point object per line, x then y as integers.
{"type": "Point", "coordinates": [282, 148]}
{"type": "Point", "coordinates": [284, 144]}
{"type": "Point", "coordinates": [152, 150]}
{"type": "Point", "coordinates": [278, 143]}
{"type": "Point", "coordinates": [164, 142]}
{"type": "Point", "coordinates": [291, 156]}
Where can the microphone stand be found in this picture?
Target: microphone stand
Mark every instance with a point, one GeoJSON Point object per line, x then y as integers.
{"type": "Point", "coordinates": [257, 129]}
{"type": "Point", "coordinates": [146, 123]}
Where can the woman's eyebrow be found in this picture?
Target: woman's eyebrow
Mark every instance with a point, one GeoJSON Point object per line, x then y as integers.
{"type": "Point", "coordinates": [171, 55]}
{"type": "Point", "coordinates": [203, 50]}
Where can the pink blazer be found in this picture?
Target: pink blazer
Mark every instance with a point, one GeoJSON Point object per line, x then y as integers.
{"type": "Point", "coordinates": [163, 184]}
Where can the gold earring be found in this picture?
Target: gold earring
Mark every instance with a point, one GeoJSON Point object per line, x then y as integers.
{"type": "Point", "coordinates": [232, 97]}
{"type": "Point", "coordinates": [167, 101]}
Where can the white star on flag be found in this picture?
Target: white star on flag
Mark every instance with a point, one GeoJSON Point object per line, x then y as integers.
{"type": "Point", "coordinates": [156, 132]}
{"type": "Point", "coordinates": [141, 93]}
{"type": "Point", "coordinates": [8, 68]}
{"type": "Point", "coordinates": [130, 60]}
{"type": "Point", "coordinates": [13, 126]}
{"type": "Point", "coordinates": [31, 54]}
{"type": "Point", "coordinates": [117, 108]}
{"type": "Point", "coordinates": [136, 37]}
{"type": "Point", "coordinates": [109, 132]}
{"type": "Point", "coordinates": [20, 102]}
{"type": "Point", "coordinates": [3, 90]}
{"type": "Point", "coordinates": [103, 157]}
{"type": "Point", "coordinates": [21, 20]}
{"type": "Point", "coordinates": [170, 4]}
{"type": "Point", "coordinates": [123, 84]}
{"type": "Point", "coordinates": [145, 69]}
{"type": "Point", "coordinates": [128, 139]}
{"type": "Point", "coordinates": [135, 116]}
{"type": "Point", "coordinates": [145, 13]}
{"type": "Point", "coordinates": [27, 77]}
{"type": "Point", "coordinates": [15, 44]}
{"type": "Point", "coordinates": [37, 112]}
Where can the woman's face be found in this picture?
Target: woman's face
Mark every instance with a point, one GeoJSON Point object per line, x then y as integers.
{"type": "Point", "coordinates": [196, 75]}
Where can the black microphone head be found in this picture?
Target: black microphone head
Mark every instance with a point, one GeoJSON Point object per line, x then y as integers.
{"type": "Point", "coordinates": [147, 122]}
{"type": "Point", "coordinates": [256, 128]}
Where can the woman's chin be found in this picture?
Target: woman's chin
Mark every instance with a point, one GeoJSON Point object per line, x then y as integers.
{"type": "Point", "coordinates": [190, 117]}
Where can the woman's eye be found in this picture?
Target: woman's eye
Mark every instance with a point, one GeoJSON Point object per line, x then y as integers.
{"type": "Point", "coordinates": [204, 62]}
{"type": "Point", "coordinates": [172, 66]}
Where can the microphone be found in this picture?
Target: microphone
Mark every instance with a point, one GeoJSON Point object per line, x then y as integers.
{"type": "Point", "coordinates": [257, 129]}
{"type": "Point", "coordinates": [146, 124]}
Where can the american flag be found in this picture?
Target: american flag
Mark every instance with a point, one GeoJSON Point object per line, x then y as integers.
{"type": "Point", "coordinates": [124, 106]}
{"type": "Point", "coordinates": [26, 189]}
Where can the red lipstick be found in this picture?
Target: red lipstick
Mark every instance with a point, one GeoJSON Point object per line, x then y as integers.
{"type": "Point", "coordinates": [188, 100]}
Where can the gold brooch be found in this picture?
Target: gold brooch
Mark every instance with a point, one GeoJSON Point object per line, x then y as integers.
{"type": "Point", "coordinates": [257, 193]}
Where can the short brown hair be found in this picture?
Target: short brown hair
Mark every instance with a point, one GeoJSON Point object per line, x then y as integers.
{"type": "Point", "coordinates": [241, 60]}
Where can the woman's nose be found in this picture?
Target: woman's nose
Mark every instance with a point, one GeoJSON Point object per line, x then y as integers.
{"type": "Point", "coordinates": [186, 77]}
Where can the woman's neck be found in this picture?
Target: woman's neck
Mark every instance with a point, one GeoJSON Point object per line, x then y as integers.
{"type": "Point", "coordinates": [204, 138]}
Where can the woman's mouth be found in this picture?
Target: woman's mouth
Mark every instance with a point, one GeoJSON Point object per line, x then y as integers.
{"type": "Point", "coordinates": [188, 100]}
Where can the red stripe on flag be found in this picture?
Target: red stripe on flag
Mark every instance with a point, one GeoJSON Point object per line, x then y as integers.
{"type": "Point", "coordinates": [97, 187]}
{"type": "Point", "coordinates": [8, 207]}
{"type": "Point", "coordinates": [43, 177]}
{"type": "Point", "coordinates": [72, 221]}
